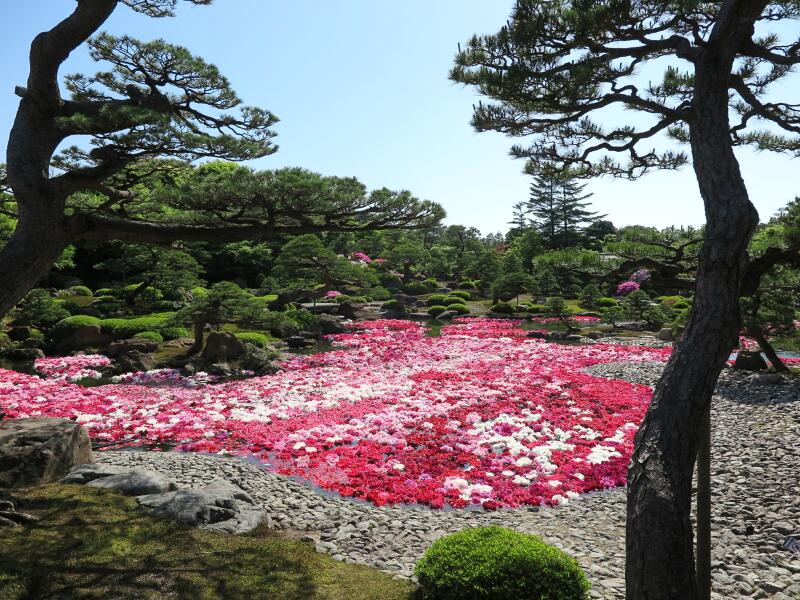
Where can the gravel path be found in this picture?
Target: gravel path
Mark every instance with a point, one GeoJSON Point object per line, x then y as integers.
{"type": "Point", "coordinates": [756, 501]}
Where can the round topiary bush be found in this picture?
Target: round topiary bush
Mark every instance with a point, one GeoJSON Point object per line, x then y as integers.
{"type": "Point", "coordinates": [153, 336]}
{"type": "Point", "coordinates": [463, 294]}
{"type": "Point", "coordinates": [494, 563]}
{"type": "Point", "coordinates": [503, 308]}
{"type": "Point", "coordinates": [454, 300]}
{"type": "Point", "coordinates": [461, 309]}
{"type": "Point", "coordinates": [436, 299]}
{"type": "Point", "coordinates": [391, 305]}
{"type": "Point", "coordinates": [104, 292]}
{"type": "Point", "coordinates": [605, 302]}
{"type": "Point", "coordinates": [436, 310]}
{"type": "Point", "coordinates": [415, 288]}
{"type": "Point", "coordinates": [467, 285]}
{"type": "Point", "coordinates": [451, 304]}
{"type": "Point", "coordinates": [253, 337]}
{"type": "Point", "coordinates": [76, 290]}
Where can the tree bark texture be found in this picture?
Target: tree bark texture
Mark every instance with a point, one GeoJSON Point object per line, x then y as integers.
{"type": "Point", "coordinates": [659, 542]}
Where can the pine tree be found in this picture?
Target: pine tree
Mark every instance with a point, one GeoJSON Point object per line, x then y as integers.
{"type": "Point", "coordinates": [543, 207]}
{"type": "Point", "coordinates": [557, 206]}
{"type": "Point", "coordinates": [572, 203]}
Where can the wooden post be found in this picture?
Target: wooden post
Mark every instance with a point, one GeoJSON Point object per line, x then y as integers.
{"type": "Point", "coordinates": [703, 566]}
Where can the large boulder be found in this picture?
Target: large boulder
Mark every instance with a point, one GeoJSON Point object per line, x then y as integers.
{"type": "Point", "coordinates": [258, 360]}
{"type": "Point", "coordinates": [222, 346]}
{"type": "Point", "coordinates": [122, 347]}
{"type": "Point", "coordinates": [87, 336]}
{"type": "Point", "coordinates": [749, 361]}
{"type": "Point", "coordinates": [40, 450]}
{"type": "Point", "coordinates": [134, 361]}
{"type": "Point", "coordinates": [220, 506]}
{"type": "Point", "coordinates": [19, 334]}
{"type": "Point", "coordinates": [24, 354]}
{"type": "Point", "coordinates": [665, 335]}
{"type": "Point", "coordinates": [329, 324]}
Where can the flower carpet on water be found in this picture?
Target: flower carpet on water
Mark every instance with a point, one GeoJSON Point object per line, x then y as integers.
{"type": "Point", "coordinates": [482, 415]}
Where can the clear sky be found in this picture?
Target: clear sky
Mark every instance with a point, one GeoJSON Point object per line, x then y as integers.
{"type": "Point", "coordinates": [361, 89]}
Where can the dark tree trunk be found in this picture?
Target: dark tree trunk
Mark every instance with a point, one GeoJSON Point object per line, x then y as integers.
{"type": "Point", "coordinates": [198, 327]}
{"type": "Point", "coordinates": [28, 256]}
{"type": "Point", "coordinates": [766, 348]}
{"type": "Point", "coordinates": [660, 556]}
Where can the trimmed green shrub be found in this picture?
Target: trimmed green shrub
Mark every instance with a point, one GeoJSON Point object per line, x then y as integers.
{"type": "Point", "coordinates": [606, 302]}
{"type": "Point", "coordinates": [436, 310]}
{"type": "Point", "coordinates": [148, 292]}
{"type": "Point", "coordinates": [391, 305]}
{"type": "Point", "coordinates": [343, 298]}
{"type": "Point", "coordinates": [360, 300]}
{"type": "Point", "coordinates": [452, 305]}
{"type": "Point", "coordinates": [125, 328]}
{"type": "Point", "coordinates": [67, 326]}
{"type": "Point", "coordinates": [77, 290]}
{"type": "Point", "coordinates": [682, 305]}
{"type": "Point", "coordinates": [435, 299]}
{"type": "Point", "coordinates": [468, 285]}
{"type": "Point", "coordinates": [503, 308]}
{"type": "Point", "coordinates": [463, 294]}
{"type": "Point", "coordinates": [104, 292]}
{"type": "Point", "coordinates": [390, 281]}
{"type": "Point", "coordinates": [380, 293]}
{"type": "Point", "coordinates": [536, 308]}
{"type": "Point", "coordinates": [253, 337]}
{"type": "Point", "coordinates": [454, 300]}
{"type": "Point", "coordinates": [173, 332]}
{"type": "Point", "coordinates": [670, 300]}
{"type": "Point", "coordinates": [153, 336]}
{"type": "Point", "coordinates": [415, 288]}
{"type": "Point", "coordinates": [494, 563]}
{"type": "Point", "coordinates": [459, 308]}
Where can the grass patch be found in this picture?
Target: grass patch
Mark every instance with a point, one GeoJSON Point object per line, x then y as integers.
{"type": "Point", "coordinates": [96, 544]}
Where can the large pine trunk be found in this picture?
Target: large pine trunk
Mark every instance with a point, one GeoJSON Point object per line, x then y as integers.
{"type": "Point", "coordinates": [660, 554]}
{"type": "Point", "coordinates": [27, 258]}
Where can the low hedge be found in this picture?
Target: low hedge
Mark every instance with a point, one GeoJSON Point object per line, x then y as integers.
{"type": "Point", "coordinates": [436, 310]}
{"type": "Point", "coordinates": [153, 336]}
{"type": "Point", "coordinates": [494, 563]}
{"type": "Point", "coordinates": [121, 328]}
{"type": "Point", "coordinates": [463, 294]}
{"type": "Point", "coordinates": [606, 302]}
{"type": "Point", "coordinates": [253, 337]}
{"type": "Point", "coordinates": [436, 299]}
{"type": "Point", "coordinates": [390, 305]}
{"type": "Point", "coordinates": [503, 308]}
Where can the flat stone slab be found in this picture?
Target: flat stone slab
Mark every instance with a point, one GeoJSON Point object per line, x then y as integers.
{"type": "Point", "coordinates": [219, 506]}
{"type": "Point", "coordinates": [135, 483]}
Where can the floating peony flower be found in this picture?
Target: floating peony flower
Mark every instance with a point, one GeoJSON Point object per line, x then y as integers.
{"type": "Point", "coordinates": [333, 294]}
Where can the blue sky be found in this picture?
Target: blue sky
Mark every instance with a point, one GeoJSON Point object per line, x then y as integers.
{"type": "Point", "coordinates": [361, 89]}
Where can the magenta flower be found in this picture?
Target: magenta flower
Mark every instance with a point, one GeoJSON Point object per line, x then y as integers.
{"type": "Point", "coordinates": [626, 287]}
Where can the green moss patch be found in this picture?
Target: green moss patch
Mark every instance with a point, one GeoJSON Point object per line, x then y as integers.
{"type": "Point", "coordinates": [96, 544]}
